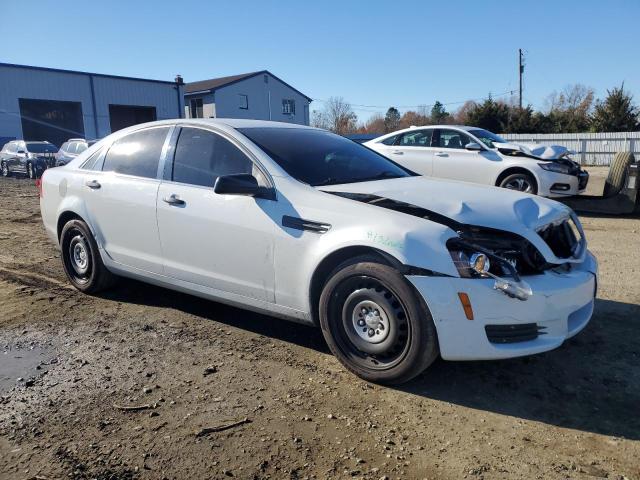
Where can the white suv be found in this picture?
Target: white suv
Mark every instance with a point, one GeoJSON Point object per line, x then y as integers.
{"type": "Point", "coordinates": [475, 155]}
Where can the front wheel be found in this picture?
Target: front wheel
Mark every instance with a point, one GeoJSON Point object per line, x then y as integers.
{"type": "Point", "coordinates": [5, 169]}
{"type": "Point", "coordinates": [375, 323]}
{"type": "Point", "coordinates": [81, 258]}
{"type": "Point", "coordinates": [522, 182]}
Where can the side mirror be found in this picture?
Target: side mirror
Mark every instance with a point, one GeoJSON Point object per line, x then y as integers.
{"type": "Point", "coordinates": [238, 184]}
{"type": "Point", "coordinates": [474, 147]}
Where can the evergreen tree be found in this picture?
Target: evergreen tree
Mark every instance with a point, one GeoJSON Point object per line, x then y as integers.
{"type": "Point", "coordinates": [616, 113]}
{"type": "Point", "coordinates": [391, 120]}
{"type": "Point", "coordinates": [438, 113]}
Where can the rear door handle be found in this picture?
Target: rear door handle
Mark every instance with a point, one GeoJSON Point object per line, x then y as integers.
{"type": "Point", "coordinates": [441, 154]}
{"type": "Point", "coordinates": [93, 184]}
{"type": "Point", "coordinates": [398, 152]}
{"type": "Point", "coordinates": [174, 199]}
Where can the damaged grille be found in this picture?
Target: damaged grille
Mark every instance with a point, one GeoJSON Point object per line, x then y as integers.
{"type": "Point", "coordinates": [563, 238]}
{"type": "Point", "coordinates": [513, 333]}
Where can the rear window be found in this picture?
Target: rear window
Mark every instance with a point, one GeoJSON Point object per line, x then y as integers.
{"type": "Point", "coordinates": [137, 153]}
{"type": "Point", "coordinates": [41, 148]}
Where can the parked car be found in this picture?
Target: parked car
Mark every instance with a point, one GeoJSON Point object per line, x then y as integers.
{"type": "Point", "coordinates": [71, 149]}
{"type": "Point", "coordinates": [475, 155]}
{"type": "Point", "coordinates": [26, 158]}
{"type": "Point", "coordinates": [306, 225]}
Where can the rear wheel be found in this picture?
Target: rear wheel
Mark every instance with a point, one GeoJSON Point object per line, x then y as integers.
{"type": "Point", "coordinates": [81, 258]}
{"type": "Point", "coordinates": [4, 169]}
{"type": "Point", "coordinates": [375, 323]}
{"type": "Point", "coordinates": [522, 182]}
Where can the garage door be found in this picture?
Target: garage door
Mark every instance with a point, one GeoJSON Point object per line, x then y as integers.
{"type": "Point", "coordinates": [51, 120]}
{"type": "Point", "coordinates": [123, 116]}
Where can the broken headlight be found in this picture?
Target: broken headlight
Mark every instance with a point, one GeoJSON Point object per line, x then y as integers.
{"type": "Point", "coordinates": [555, 167]}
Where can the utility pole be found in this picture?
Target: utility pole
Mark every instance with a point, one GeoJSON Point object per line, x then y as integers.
{"type": "Point", "coordinates": [520, 71]}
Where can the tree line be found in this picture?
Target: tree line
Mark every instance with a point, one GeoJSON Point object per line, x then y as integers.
{"type": "Point", "coordinates": [572, 110]}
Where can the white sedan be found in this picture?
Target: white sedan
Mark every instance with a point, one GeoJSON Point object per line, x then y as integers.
{"type": "Point", "coordinates": [475, 155]}
{"type": "Point", "coordinates": [299, 223]}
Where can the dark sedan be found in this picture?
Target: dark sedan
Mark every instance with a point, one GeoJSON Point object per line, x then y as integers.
{"type": "Point", "coordinates": [27, 158]}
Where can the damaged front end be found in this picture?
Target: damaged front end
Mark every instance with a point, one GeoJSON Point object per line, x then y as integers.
{"type": "Point", "coordinates": [484, 252]}
{"type": "Point", "coordinates": [553, 158]}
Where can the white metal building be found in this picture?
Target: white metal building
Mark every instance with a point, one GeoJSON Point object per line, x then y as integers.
{"type": "Point", "coordinates": [38, 103]}
{"type": "Point", "coordinates": [256, 95]}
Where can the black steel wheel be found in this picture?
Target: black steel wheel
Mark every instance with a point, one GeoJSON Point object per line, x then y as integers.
{"type": "Point", "coordinates": [375, 322]}
{"type": "Point", "coordinates": [81, 258]}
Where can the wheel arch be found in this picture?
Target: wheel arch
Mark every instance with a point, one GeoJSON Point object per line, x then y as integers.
{"type": "Point", "coordinates": [516, 169]}
{"type": "Point", "coordinates": [331, 261]}
{"type": "Point", "coordinates": [66, 217]}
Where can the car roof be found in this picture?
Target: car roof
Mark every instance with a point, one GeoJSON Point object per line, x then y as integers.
{"type": "Point", "coordinates": [229, 122]}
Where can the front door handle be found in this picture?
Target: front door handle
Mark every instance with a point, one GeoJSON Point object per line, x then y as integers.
{"type": "Point", "coordinates": [174, 199]}
{"type": "Point", "coordinates": [93, 184]}
{"type": "Point", "coordinates": [398, 152]}
{"type": "Point", "coordinates": [441, 154]}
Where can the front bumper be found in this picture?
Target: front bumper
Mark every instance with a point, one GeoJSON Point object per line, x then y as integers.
{"type": "Point", "coordinates": [554, 184]}
{"type": "Point", "coordinates": [560, 307]}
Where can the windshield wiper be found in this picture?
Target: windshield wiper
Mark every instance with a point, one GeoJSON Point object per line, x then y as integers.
{"type": "Point", "coordinates": [382, 175]}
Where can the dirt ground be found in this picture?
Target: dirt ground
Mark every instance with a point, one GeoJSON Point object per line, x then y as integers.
{"type": "Point", "coordinates": [71, 364]}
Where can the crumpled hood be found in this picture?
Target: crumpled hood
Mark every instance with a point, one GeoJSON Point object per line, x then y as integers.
{"type": "Point", "coordinates": [466, 203]}
{"type": "Point", "coordinates": [543, 152]}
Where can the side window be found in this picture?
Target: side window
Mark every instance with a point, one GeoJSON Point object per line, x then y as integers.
{"type": "Point", "coordinates": [92, 162]}
{"type": "Point", "coordinates": [137, 154]}
{"type": "Point", "coordinates": [64, 147]}
{"type": "Point", "coordinates": [417, 138]}
{"type": "Point", "coordinates": [391, 140]}
{"type": "Point", "coordinates": [453, 139]}
{"type": "Point", "coordinates": [81, 147]}
{"type": "Point", "coordinates": [202, 156]}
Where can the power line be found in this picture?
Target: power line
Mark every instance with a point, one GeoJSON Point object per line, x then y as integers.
{"type": "Point", "coordinates": [375, 108]}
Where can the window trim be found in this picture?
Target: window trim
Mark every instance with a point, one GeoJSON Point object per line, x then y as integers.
{"type": "Point", "coordinates": [169, 158]}
{"type": "Point", "coordinates": [246, 101]}
{"type": "Point", "coordinates": [191, 109]}
{"type": "Point", "coordinates": [292, 103]}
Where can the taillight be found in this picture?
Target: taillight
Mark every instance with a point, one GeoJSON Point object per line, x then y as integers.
{"type": "Point", "coordinates": [39, 186]}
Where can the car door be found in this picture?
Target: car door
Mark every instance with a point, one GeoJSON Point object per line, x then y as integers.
{"type": "Point", "coordinates": [121, 199]}
{"type": "Point", "coordinates": [451, 159]}
{"type": "Point", "coordinates": [224, 242]}
{"type": "Point", "coordinates": [413, 150]}
{"type": "Point", "coordinates": [18, 161]}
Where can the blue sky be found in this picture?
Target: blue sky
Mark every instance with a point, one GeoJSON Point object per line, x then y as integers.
{"type": "Point", "coordinates": [378, 54]}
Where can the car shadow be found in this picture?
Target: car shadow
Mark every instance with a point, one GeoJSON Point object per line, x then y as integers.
{"type": "Point", "coordinates": [591, 383]}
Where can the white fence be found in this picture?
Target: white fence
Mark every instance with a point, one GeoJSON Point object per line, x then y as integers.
{"type": "Point", "coordinates": [590, 148]}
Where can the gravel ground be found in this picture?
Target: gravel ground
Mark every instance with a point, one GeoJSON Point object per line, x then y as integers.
{"type": "Point", "coordinates": [73, 366]}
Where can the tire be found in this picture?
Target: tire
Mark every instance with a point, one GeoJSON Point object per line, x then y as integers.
{"type": "Point", "coordinates": [522, 182]}
{"type": "Point", "coordinates": [4, 169]}
{"type": "Point", "coordinates": [617, 173]}
{"type": "Point", "coordinates": [31, 171]}
{"type": "Point", "coordinates": [81, 259]}
{"type": "Point", "coordinates": [390, 347]}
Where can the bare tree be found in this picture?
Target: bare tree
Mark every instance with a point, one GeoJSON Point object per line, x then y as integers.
{"type": "Point", "coordinates": [375, 124]}
{"type": "Point", "coordinates": [337, 116]}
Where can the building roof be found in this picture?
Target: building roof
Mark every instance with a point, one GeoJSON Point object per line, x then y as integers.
{"type": "Point", "coordinates": [77, 72]}
{"type": "Point", "coordinates": [215, 83]}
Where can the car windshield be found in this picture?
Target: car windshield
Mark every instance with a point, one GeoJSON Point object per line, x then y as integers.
{"type": "Point", "coordinates": [41, 148]}
{"type": "Point", "coordinates": [487, 137]}
{"type": "Point", "coordinates": [318, 157]}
